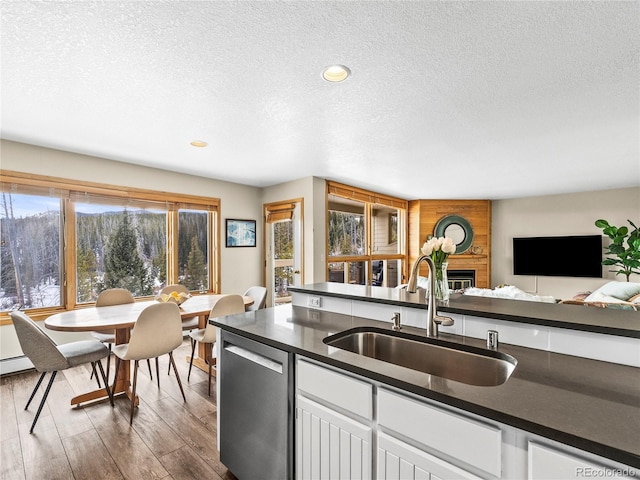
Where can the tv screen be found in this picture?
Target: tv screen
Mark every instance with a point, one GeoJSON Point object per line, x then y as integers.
{"type": "Point", "coordinates": [569, 256]}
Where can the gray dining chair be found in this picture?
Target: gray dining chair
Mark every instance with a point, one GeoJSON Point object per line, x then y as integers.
{"type": "Point", "coordinates": [47, 356]}
{"type": "Point", "coordinates": [259, 295]}
{"type": "Point", "coordinates": [226, 305]}
{"type": "Point", "coordinates": [157, 331]}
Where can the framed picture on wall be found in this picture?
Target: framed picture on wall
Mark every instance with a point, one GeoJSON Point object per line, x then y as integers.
{"type": "Point", "coordinates": [241, 233]}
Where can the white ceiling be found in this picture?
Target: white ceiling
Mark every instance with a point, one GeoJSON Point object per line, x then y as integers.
{"type": "Point", "coordinates": [448, 99]}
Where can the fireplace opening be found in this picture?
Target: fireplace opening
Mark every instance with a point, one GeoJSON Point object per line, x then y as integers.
{"type": "Point", "coordinates": [461, 279]}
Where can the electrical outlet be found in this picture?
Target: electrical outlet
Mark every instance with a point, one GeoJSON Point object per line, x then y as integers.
{"type": "Point", "coordinates": [313, 302]}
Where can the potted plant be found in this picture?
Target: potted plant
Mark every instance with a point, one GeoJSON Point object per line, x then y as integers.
{"type": "Point", "coordinates": [625, 257]}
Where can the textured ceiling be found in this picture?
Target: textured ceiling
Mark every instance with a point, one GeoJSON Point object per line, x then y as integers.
{"type": "Point", "coordinates": [447, 99]}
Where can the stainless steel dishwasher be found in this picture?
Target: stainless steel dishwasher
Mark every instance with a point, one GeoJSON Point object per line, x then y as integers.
{"type": "Point", "coordinates": [256, 409]}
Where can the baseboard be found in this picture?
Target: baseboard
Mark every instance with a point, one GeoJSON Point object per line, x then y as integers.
{"type": "Point", "coordinates": [12, 365]}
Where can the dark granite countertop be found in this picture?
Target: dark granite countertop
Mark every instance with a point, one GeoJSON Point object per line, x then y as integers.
{"type": "Point", "coordinates": [588, 404]}
{"type": "Point", "coordinates": [623, 323]}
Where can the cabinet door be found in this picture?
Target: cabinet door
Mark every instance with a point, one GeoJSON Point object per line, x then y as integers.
{"type": "Point", "coordinates": [330, 445]}
{"type": "Point", "coordinates": [546, 463]}
{"type": "Point", "coordinates": [455, 436]}
{"type": "Point", "coordinates": [400, 461]}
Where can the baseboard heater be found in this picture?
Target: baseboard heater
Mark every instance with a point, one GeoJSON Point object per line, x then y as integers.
{"type": "Point", "coordinates": [12, 365]}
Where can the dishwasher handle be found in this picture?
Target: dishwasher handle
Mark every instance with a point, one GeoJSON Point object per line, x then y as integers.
{"type": "Point", "coordinates": [254, 357]}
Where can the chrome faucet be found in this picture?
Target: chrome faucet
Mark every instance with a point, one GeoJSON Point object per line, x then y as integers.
{"type": "Point", "coordinates": [433, 319]}
{"type": "Point", "coordinates": [396, 322]}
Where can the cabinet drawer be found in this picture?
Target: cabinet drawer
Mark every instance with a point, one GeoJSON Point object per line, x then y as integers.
{"type": "Point", "coordinates": [340, 390]}
{"type": "Point", "coordinates": [546, 463]}
{"type": "Point", "coordinates": [454, 435]}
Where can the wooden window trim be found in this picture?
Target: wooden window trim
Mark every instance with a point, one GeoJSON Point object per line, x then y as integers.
{"type": "Point", "coordinates": [369, 199]}
{"type": "Point", "coordinates": [68, 190]}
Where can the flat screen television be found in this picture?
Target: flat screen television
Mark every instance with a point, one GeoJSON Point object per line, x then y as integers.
{"type": "Point", "coordinates": [565, 256]}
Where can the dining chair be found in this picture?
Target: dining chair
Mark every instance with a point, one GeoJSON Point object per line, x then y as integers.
{"type": "Point", "coordinates": [47, 356]}
{"type": "Point", "coordinates": [188, 324]}
{"type": "Point", "coordinates": [111, 296]}
{"type": "Point", "coordinates": [157, 331]}
{"type": "Point", "coordinates": [226, 305]}
{"type": "Point", "coordinates": [259, 295]}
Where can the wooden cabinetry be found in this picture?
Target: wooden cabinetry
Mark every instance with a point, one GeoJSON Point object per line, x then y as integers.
{"type": "Point", "coordinates": [425, 214]}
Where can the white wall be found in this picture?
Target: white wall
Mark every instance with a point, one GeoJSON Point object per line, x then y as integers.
{"type": "Point", "coordinates": [567, 214]}
{"type": "Point", "coordinates": [312, 191]}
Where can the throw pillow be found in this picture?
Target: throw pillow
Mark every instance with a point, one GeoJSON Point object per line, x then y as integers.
{"type": "Point", "coordinates": [620, 290]}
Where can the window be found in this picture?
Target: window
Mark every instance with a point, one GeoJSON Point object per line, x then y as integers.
{"type": "Point", "coordinates": [30, 239]}
{"type": "Point", "coordinates": [366, 236]}
{"type": "Point", "coordinates": [62, 243]}
{"type": "Point", "coordinates": [119, 247]}
{"type": "Point", "coordinates": [193, 249]}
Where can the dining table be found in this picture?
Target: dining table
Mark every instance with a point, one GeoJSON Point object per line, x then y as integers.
{"type": "Point", "coordinates": [121, 319]}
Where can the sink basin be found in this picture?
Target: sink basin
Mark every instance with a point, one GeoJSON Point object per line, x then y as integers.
{"type": "Point", "coordinates": [462, 363]}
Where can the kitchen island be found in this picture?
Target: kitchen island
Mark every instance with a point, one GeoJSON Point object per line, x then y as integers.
{"type": "Point", "coordinates": [585, 404]}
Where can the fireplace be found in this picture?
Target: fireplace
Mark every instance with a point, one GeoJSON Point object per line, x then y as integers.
{"type": "Point", "coordinates": [461, 279]}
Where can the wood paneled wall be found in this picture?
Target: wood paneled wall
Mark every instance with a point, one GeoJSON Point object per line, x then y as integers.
{"type": "Point", "coordinates": [425, 214]}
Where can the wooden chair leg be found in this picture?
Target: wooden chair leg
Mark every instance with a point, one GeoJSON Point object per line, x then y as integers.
{"type": "Point", "coordinates": [149, 365]}
{"type": "Point", "coordinates": [158, 372]}
{"type": "Point", "coordinates": [173, 363]}
{"type": "Point", "coordinates": [44, 399]}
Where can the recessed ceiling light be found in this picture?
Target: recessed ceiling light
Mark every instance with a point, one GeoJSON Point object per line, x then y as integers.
{"type": "Point", "coordinates": [336, 73]}
{"type": "Point", "coordinates": [199, 143]}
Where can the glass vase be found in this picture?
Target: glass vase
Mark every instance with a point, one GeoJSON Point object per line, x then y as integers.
{"type": "Point", "coordinates": [442, 282]}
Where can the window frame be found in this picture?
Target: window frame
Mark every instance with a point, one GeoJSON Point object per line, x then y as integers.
{"type": "Point", "coordinates": [370, 200]}
{"type": "Point", "coordinates": [67, 190]}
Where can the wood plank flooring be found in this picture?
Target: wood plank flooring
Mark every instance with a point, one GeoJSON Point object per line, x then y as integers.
{"type": "Point", "coordinates": [169, 439]}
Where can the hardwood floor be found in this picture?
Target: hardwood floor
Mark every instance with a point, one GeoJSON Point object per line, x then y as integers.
{"type": "Point", "coordinates": [169, 439]}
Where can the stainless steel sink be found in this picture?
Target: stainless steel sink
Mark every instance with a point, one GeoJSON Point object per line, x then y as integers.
{"type": "Point", "coordinates": [462, 363]}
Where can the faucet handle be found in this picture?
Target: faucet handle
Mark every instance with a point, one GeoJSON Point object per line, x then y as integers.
{"type": "Point", "coordinates": [442, 320]}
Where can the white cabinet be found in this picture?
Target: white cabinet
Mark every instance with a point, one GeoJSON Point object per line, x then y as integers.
{"type": "Point", "coordinates": [330, 445]}
{"type": "Point", "coordinates": [549, 463]}
{"type": "Point", "coordinates": [400, 461]}
{"type": "Point", "coordinates": [463, 440]}
{"type": "Point", "coordinates": [333, 424]}
{"type": "Point", "coordinates": [349, 427]}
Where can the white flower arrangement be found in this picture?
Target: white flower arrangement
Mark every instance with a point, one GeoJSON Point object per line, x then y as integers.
{"type": "Point", "coordinates": [438, 249]}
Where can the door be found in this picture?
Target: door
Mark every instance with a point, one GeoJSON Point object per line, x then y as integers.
{"type": "Point", "coordinates": [283, 249]}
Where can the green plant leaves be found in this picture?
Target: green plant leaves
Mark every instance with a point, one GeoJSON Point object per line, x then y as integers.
{"type": "Point", "coordinates": [628, 258]}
